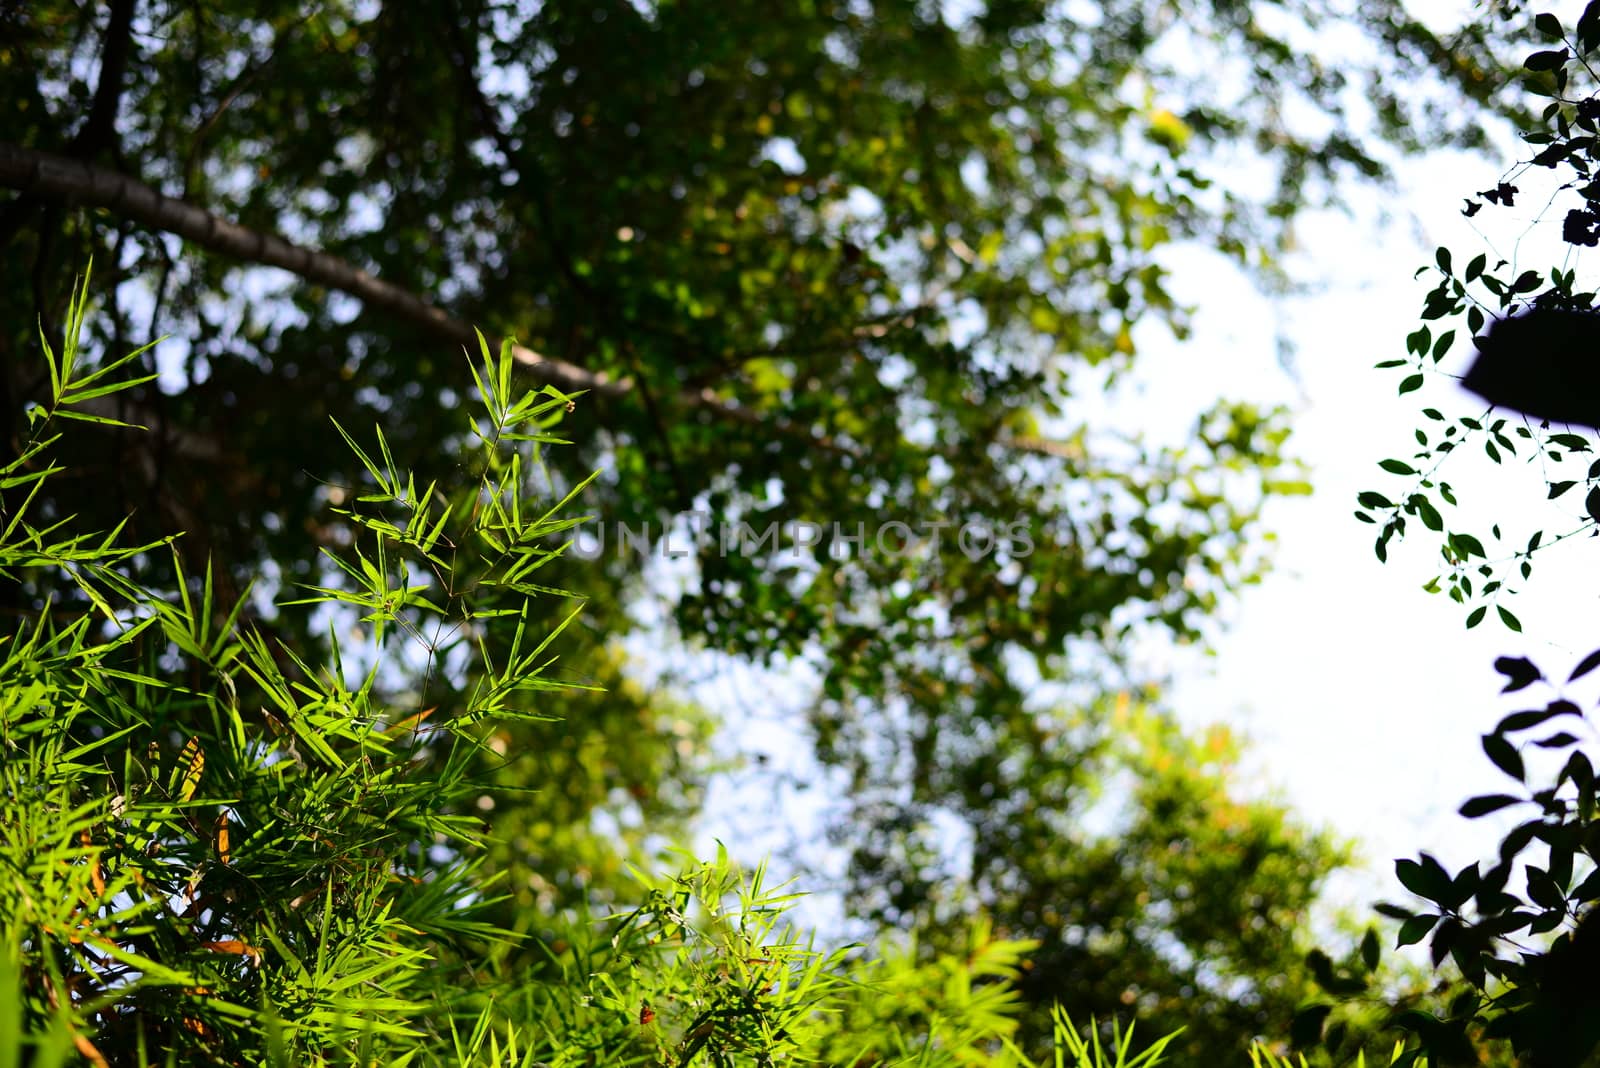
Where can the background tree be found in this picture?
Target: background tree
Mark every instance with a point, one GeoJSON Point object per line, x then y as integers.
{"type": "Point", "coordinates": [811, 262]}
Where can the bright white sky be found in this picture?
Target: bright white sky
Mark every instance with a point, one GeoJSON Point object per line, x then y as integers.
{"type": "Point", "coordinates": [1365, 696]}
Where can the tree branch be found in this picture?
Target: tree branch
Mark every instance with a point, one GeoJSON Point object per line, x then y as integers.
{"type": "Point", "coordinates": [98, 132]}
{"type": "Point", "coordinates": [59, 178]}
{"type": "Point", "coordinates": [45, 174]}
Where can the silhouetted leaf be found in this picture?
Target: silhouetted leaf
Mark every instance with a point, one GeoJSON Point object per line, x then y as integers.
{"type": "Point", "coordinates": [1543, 890]}
{"type": "Point", "coordinates": [1588, 28]}
{"type": "Point", "coordinates": [1520, 672]}
{"type": "Point", "coordinates": [1462, 887]}
{"type": "Point", "coordinates": [1578, 771]}
{"type": "Point", "coordinates": [1487, 803]}
{"type": "Point", "coordinates": [1442, 346]}
{"type": "Point", "coordinates": [1518, 838]}
{"type": "Point", "coordinates": [1305, 1030]}
{"type": "Point", "coordinates": [1589, 888]}
{"type": "Point", "coordinates": [1425, 877]}
{"type": "Point", "coordinates": [1443, 940]}
{"type": "Point", "coordinates": [1506, 923]}
{"type": "Point", "coordinates": [1557, 741]}
{"type": "Point", "coordinates": [1504, 755]}
{"type": "Point", "coordinates": [1586, 665]}
{"type": "Point", "coordinates": [1548, 59]}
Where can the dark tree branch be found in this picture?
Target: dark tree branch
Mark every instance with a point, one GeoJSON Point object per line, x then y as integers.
{"type": "Point", "coordinates": [55, 177]}
{"type": "Point", "coordinates": [58, 178]}
{"type": "Point", "coordinates": [98, 132]}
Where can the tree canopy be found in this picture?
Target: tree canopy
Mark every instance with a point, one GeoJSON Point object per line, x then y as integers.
{"type": "Point", "coordinates": [854, 270]}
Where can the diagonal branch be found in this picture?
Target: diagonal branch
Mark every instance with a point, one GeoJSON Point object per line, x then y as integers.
{"type": "Point", "coordinates": [45, 174]}
{"type": "Point", "coordinates": [60, 178]}
{"type": "Point", "coordinates": [71, 181]}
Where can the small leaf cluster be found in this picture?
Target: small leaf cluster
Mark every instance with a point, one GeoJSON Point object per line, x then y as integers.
{"type": "Point", "coordinates": [1524, 986]}
{"type": "Point", "coordinates": [214, 849]}
{"type": "Point", "coordinates": [1347, 1008]}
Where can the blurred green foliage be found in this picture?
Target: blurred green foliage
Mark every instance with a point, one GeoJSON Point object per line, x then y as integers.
{"type": "Point", "coordinates": [855, 264]}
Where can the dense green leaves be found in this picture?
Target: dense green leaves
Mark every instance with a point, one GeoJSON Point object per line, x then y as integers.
{"type": "Point", "coordinates": [204, 830]}
{"type": "Point", "coordinates": [860, 266]}
{"type": "Point", "coordinates": [217, 851]}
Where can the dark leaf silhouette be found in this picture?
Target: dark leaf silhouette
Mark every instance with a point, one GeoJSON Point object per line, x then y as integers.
{"type": "Point", "coordinates": [1544, 363]}
{"type": "Point", "coordinates": [1504, 755]}
{"type": "Point", "coordinates": [1586, 665]}
{"type": "Point", "coordinates": [1482, 806]}
{"type": "Point", "coordinates": [1520, 672]}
